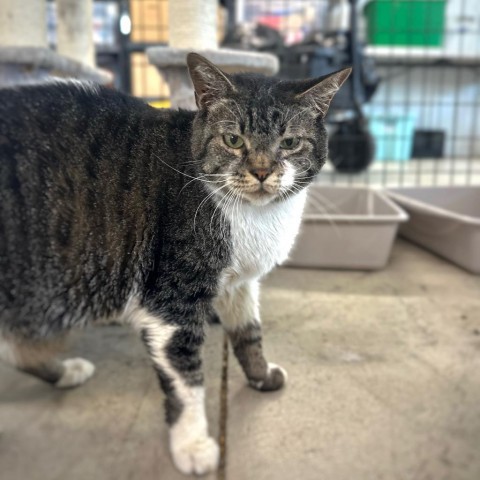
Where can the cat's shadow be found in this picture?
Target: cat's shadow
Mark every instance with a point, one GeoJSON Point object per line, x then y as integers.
{"type": "Point", "coordinates": [26, 390]}
{"type": "Point", "coordinates": [249, 398]}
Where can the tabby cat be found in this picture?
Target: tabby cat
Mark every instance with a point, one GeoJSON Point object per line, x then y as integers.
{"type": "Point", "coordinates": [110, 208]}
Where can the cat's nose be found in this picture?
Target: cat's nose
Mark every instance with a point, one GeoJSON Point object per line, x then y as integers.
{"type": "Point", "coordinates": [261, 173]}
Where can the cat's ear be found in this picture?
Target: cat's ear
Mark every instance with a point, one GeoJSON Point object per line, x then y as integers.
{"type": "Point", "coordinates": [209, 81]}
{"type": "Point", "coordinates": [320, 92]}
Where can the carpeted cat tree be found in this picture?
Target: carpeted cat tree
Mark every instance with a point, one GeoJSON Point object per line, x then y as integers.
{"type": "Point", "coordinates": [24, 52]}
{"type": "Point", "coordinates": [193, 27]}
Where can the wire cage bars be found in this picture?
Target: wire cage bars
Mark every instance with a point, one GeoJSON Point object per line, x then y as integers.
{"type": "Point", "coordinates": [418, 86]}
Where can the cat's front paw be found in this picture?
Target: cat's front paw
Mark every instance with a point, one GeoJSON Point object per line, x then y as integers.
{"type": "Point", "coordinates": [275, 379]}
{"type": "Point", "coordinates": [199, 456]}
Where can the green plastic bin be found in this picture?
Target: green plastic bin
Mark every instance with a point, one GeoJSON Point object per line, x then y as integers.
{"type": "Point", "coordinates": [405, 22]}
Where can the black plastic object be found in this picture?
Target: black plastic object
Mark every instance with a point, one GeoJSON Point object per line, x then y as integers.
{"type": "Point", "coordinates": [308, 61]}
{"type": "Point", "coordinates": [428, 144]}
{"type": "Point", "coordinates": [351, 146]}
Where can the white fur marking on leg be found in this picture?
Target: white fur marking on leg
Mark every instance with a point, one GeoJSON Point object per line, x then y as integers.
{"type": "Point", "coordinates": [237, 306]}
{"type": "Point", "coordinates": [272, 366]}
{"type": "Point", "coordinates": [77, 371]}
{"type": "Point", "coordinates": [193, 451]}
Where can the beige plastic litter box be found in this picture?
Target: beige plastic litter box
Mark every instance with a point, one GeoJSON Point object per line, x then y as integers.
{"type": "Point", "coordinates": [346, 228]}
{"type": "Point", "coordinates": [445, 220]}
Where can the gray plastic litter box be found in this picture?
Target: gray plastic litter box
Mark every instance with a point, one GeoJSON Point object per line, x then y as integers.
{"type": "Point", "coordinates": [346, 228]}
{"type": "Point", "coordinates": [445, 220]}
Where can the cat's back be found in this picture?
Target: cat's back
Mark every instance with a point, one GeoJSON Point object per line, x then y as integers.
{"type": "Point", "coordinates": [45, 108]}
{"type": "Point", "coordinates": [74, 172]}
{"type": "Point", "coordinates": [59, 136]}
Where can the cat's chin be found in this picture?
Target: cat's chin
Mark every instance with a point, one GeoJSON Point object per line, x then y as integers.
{"type": "Point", "coordinates": [259, 198]}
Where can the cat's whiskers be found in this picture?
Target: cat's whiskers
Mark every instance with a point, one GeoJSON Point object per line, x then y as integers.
{"type": "Point", "coordinates": [191, 162]}
{"type": "Point", "coordinates": [308, 177]}
{"type": "Point", "coordinates": [230, 207]}
{"type": "Point", "coordinates": [236, 205]}
{"type": "Point", "coordinates": [327, 215]}
{"type": "Point", "coordinates": [305, 180]}
{"type": "Point", "coordinates": [218, 175]}
{"type": "Point", "coordinates": [232, 204]}
{"type": "Point", "coordinates": [307, 169]}
{"type": "Point", "coordinates": [282, 194]}
{"type": "Point", "coordinates": [291, 189]}
{"type": "Point", "coordinates": [329, 203]}
{"type": "Point", "coordinates": [224, 198]}
{"type": "Point", "coordinates": [303, 171]}
{"type": "Point", "coordinates": [323, 210]}
{"type": "Point", "coordinates": [210, 195]}
{"type": "Point", "coordinates": [199, 178]}
{"type": "Point", "coordinates": [182, 173]}
{"type": "Point", "coordinates": [295, 189]}
{"type": "Point", "coordinates": [230, 201]}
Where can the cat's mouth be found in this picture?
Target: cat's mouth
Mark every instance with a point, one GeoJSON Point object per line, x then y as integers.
{"type": "Point", "coordinates": [260, 196]}
{"type": "Point", "coordinates": [259, 193]}
{"type": "Point", "coordinates": [256, 191]}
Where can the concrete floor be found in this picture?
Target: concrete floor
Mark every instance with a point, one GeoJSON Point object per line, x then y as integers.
{"type": "Point", "coordinates": [384, 384]}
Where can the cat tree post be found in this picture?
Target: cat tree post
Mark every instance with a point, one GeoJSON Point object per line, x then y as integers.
{"type": "Point", "coordinates": [19, 25]}
{"type": "Point", "coordinates": [193, 27]}
{"type": "Point", "coordinates": [193, 23]}
{"type": "Point", "coordinates": [24, 53]}
{"type": "Point", "coordinates": [75, 30]}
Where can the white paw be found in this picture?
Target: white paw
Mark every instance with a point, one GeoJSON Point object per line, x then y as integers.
{"type": "Point", "coordinates": [273, 366]}
{"type": "Point", "coordinates": [77, 371]}
{"type": "Point", "coordinates": [200, 456]}
{"type": "Point", "coordinates": [275, 379]}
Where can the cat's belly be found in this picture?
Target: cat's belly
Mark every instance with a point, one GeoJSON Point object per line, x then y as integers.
{"type": "Point", "coordinates": [262, 237]}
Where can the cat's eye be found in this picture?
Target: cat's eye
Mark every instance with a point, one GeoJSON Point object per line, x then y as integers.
{"type": "Point", "coordinates": [233, 141]}
{"type": "Point", "coordinates": [289, 143]}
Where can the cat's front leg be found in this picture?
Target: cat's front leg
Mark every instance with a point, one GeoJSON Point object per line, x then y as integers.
{"type": "Point", "coordinates": [176, 354]}
{"type": "Point", "coordinates": [237, 308]}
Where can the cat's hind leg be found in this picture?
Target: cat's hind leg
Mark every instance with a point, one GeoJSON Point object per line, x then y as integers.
{"type": "Point", "coordinates": [238, 310]}
{"type": "Point", "coordinates": [38, 358]}
{"type": "Point", "coordinates": [175, 350]}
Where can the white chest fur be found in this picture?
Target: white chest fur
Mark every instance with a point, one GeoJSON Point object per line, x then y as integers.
{"type": "Point", "coordinates": [262, 236]}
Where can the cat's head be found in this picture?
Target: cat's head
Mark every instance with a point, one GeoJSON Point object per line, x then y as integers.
{"type": "Point", "coordinates": [259, 138]}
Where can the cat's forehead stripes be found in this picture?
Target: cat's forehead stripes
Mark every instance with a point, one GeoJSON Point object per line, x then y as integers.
{"type": "Point", "coordinates": [248, 119]}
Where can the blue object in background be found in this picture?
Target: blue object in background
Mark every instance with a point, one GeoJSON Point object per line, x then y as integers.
{"type": "Point", "coordinates": [393, 135]}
